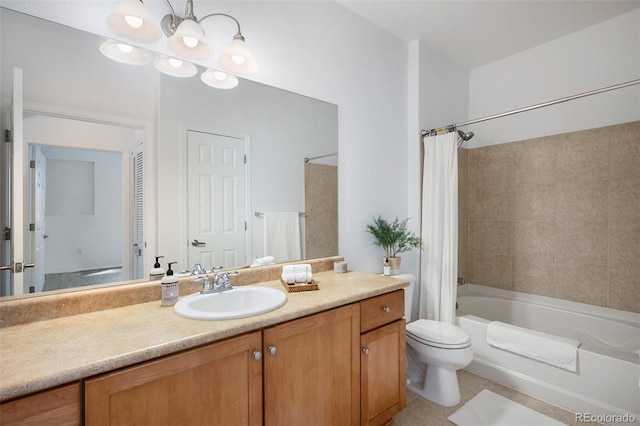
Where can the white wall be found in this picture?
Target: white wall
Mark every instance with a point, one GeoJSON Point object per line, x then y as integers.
{"type": "Point", "coordinates": [599, 56]}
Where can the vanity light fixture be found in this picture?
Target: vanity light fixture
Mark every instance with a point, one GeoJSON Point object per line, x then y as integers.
{"type": "Point", "coordinates": [175, 67]}
{"type": "Point", "coordinates": [124, 53]}
{"type": "Point", "coordinates": [185, 35]}
{"type": "Point", "coordinates": [132, 20]}
{"type": "Point", "coordinates": [219, 79]}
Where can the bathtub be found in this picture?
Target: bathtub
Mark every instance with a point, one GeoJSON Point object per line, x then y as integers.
{"type": "Point", "coordinates": [606, 386]}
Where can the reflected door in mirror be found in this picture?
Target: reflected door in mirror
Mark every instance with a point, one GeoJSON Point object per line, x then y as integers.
{"type": "Point", "coordinates": [217, 194]}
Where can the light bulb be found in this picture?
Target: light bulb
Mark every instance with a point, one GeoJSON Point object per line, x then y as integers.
{"type": "Point", "coordinates": [176, 63]}
{"type": "Point", "coordinates": [219, 75]}
{"type": "Point", "coordinates": [125, 48]}
{"type": "Point", "coordinates": [133, 21]}
{"type": "Point", "coordinates": [190, 41]}
{"type": "Point", "coordinates": [238, 59]}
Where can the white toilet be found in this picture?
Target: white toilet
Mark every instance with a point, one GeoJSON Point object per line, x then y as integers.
{"type": "Point", "coordinates": [437, 347]}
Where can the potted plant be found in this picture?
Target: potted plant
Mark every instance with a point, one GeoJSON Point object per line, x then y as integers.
{"type": "Point", "coordinates": [394, 238]}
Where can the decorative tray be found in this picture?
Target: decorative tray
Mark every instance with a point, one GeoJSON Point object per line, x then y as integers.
{"type": "Point", "coordinates": [299, 286]}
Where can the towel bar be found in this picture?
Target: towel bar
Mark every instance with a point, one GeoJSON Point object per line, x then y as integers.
{"type": "Point", "coordinates": [261, 214]}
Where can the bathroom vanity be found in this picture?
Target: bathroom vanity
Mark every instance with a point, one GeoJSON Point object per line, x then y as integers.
{"type": "Point", "coordinates": [332, 356]}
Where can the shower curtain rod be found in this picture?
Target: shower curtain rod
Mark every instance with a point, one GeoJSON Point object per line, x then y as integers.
{"type": "Point", "coordinates": [452, 127]}
{"type": "Point", "coordinates": [307, 159]}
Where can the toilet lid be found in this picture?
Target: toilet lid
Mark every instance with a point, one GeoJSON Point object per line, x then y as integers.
{"type": "Point", "coordinates": [439, 334]}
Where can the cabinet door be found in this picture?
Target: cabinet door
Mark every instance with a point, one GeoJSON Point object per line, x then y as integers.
{"type": "Point", "coordinates": [217, 384]}
{"type": "Point", "coordinates": [383, 362]}
{"type": "Point", "coordinates": [312, 370]}
{"type": "Point", "coordinates": [60, 406]}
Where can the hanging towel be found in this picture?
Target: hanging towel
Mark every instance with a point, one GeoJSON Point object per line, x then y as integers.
{"type": "Point", "coordinates": [547, 348]}
{"type": "Point", "coordinates": [282, 236]}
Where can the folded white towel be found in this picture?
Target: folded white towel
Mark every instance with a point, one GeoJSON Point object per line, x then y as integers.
{"type": "Point", "coordinates": [547, 348]}
{"type": "Point", "coordinates": [288, 278]}
{"type": "Point", "coordinates": [263, 261]}
{"type": "Point", "coordinates": [301, 273]}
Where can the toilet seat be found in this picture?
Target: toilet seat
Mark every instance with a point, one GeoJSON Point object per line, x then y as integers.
{"type": "Point", "coordinates": [438, 334]}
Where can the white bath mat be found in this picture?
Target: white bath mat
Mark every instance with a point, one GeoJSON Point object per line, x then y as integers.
{"type": "Point", "coordinates": [490, 409]}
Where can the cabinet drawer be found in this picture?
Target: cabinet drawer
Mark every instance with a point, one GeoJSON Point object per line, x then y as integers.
{"type": "Point", "coordinates": [381, 310]}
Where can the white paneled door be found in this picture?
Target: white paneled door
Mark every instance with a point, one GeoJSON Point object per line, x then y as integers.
{"type": "Point", "coordinates": [217, 202]}
{"type": "Point", "coordinates": [17, 189]}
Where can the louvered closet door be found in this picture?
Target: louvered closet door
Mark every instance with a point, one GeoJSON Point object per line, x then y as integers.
{"type": "Point", "coordinates": [216, 170]}
{"type": "Point", "coordinates": [137, 212]}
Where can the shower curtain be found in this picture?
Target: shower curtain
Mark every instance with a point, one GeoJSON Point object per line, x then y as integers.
{"type": "Point", "coordinates": [439, 258]}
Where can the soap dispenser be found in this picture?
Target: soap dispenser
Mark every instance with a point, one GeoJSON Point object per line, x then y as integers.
{"type": "Point", "coordinates": [157, 272]}
{"type": "Point", "coordinates": [387, 267]}
{"type": "Point", "coordinates": [170, 288]}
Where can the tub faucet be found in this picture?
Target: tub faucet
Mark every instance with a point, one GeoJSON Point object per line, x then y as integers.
{"type": "Point", "coordinates": [461, 281]}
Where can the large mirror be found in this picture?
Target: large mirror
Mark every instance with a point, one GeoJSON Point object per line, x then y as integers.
{"type": "Point", "coordinates": [128, 164]}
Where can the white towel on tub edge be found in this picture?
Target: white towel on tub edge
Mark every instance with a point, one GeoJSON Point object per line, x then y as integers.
{"type": "Point", "coordinates": [554, 350]}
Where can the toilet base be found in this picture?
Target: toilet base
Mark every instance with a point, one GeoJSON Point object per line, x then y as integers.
{"type": "Point", "coordinates": [440, 386]}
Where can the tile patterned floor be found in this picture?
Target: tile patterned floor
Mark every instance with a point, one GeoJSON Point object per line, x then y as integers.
{"type": "Point", "coordinates": [420, 412]}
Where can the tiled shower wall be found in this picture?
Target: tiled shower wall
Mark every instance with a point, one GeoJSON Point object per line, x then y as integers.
{"type": "Point", "coordinates": [555, 216]}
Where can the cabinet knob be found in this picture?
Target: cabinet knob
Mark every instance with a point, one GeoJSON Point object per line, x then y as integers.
{"type": "Point", "coordinates": [386, 309]}
{"type": "Point", "coordinates": [366, 351]}
{"type": "Point", "coordinates": [257, 355]}
{"type": "Point", "coordinates": [273, 350]}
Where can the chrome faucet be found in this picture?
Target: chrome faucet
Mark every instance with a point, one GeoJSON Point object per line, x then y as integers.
{"type": "Point", "coordinates": [197, 270]}
{"type": "Point", "coordinates": [221, 282]}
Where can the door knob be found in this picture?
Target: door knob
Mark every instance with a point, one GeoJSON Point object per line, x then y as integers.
{"type": "Point", "coordinates": [197, 243]}
{"type": "Point", "coordinates": [17, 267]}
{"type": "Point", "coordinates": [273, 350]}
{"type": "Point", "coordinates": [366, 351]}
{"type": "Point", "coordinates": [257, 355]}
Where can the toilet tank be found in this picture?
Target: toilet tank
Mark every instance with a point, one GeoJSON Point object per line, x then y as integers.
{"type": "Point", "coordinates": [408, 294]}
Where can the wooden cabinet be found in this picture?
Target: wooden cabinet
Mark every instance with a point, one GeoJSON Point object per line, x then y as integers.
{"type": "Point", "coordinates": [60, 406]}
{"type": "Point", "coordinates": [383, 358]}
{"type": "Point", "coordinates": [345, 366]}
{"type": "Point", "coordinates": [217, 384]}
{"type": "Point", "coordinates": [312, 370]}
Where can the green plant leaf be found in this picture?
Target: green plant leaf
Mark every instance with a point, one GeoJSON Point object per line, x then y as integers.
{"type": "Point", "coordinates": [393, 237]}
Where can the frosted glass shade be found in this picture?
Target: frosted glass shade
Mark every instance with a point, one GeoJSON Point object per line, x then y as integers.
{"type": "Point", "coordinates": [175, 67]}
{"type": "Point", "coordinates": [124, 53]}
{"type": "Point", "coordinates": [189, 41]}
{"type": "Point", "coordinates": [132, 20]}
{"type": "Point", "coordinates": [219, 79]}
{"type": "Point", "coordinates": [237, 58]}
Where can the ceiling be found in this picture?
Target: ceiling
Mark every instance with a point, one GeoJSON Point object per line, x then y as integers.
{"type": "Point", "coordinates": [473, 33]}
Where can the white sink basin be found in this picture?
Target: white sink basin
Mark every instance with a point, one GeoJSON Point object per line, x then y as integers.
{"type": "Point", "coordinates": [239, 302]}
